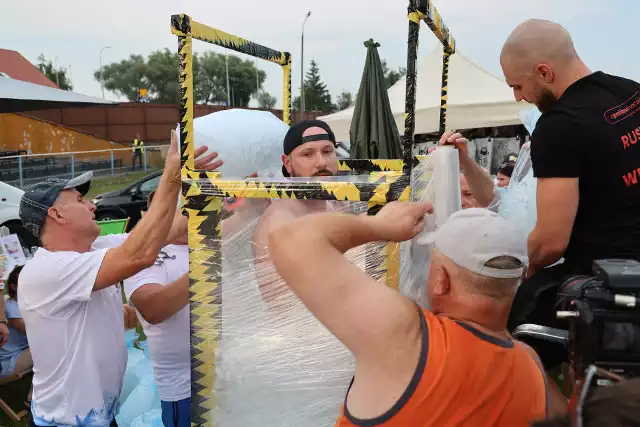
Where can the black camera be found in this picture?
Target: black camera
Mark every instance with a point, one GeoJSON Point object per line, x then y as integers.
{"type": "Point", "coordinates": [604, 318]}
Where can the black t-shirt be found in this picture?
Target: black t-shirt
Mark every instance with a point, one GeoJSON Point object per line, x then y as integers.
{"type": "Point", "coordinates": [593, 133]}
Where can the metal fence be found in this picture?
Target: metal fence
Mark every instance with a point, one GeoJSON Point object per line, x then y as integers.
{"type": "Point", "coordinates": [24, 170]}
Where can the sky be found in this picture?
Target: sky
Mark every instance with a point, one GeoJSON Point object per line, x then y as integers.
{"type": "Point", "coordinates": [72, 32]}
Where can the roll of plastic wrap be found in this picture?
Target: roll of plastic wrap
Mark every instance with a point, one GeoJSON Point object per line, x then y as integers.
{"type": "Point", "coordinates": [446, 166]}
{"type": "Point", "coordinates": [247, 141]}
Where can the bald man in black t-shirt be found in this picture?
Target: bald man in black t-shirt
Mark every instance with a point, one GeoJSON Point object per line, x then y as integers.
{"type": "Point", "coordinates": [585, 154]}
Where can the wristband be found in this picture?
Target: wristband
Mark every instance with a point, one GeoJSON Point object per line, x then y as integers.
{"type": "Point", "coordinates": [4, 321]}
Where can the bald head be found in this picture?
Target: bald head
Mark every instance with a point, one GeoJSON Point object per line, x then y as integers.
{"type": "Point", "coordinates": [535, 41]}
{"type": "Point", "coordinates": [540, 62]}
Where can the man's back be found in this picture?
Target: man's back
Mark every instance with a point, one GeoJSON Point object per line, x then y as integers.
{"type": "Point", "coordinates": [168, 340]}
{"type": "Point", "coordinates": [592, 133]}
{"type": "Point", "coordinates": [465, 377]}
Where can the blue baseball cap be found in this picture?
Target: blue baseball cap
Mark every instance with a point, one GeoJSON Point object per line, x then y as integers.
{"type": "Point", "coordinates": [36, 201]}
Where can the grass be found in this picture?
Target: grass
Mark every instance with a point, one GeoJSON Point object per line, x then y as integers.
{"type": "Point", "coordinates": [15, 394]}
{"type": "Point", "coordinates": [103, 184]}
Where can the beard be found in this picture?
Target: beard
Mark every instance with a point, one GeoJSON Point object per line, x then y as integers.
{"type": "Point", "coordinates": [546, 100]}
{"type": "Point", "coordinates": [319, 172]}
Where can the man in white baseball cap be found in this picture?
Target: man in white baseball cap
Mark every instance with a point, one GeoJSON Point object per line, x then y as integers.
{"type": "Point", "coordinates": [454, 364]}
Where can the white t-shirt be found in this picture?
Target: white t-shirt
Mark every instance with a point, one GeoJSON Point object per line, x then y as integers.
{"type": "Point", "coordinates": [76, 336]}
{"type": "Point", "coordinates": [169, 344]}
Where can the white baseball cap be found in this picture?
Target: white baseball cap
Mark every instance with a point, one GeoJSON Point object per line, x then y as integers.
{"type": "Point", "coordinates": [472, 237]}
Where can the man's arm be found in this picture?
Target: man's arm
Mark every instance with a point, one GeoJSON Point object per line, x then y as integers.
{"type": "Point", "coordinates": [269, 282]}
{"type": "Point", "coordinates": [557, 205]}
{"type": "Point", "coordinates": [14, 318]}
{"type": "Point", "coordinates": [557, 152]}
{"type": "Point", "coordinates": [157, 303]}
{"type": "Point", "coordinates": [374, 321]}
{"type": "Point", "coordinates": [141, 248]}
{"type": "Point", "coordinates": [17, 324]}
{"type": "Point", "coordinates": [479, 180]}
{"type": "Point", "coordinates": [150, 234]}
{"type": "Point", "coordinates": [179, 227]}
{"type": "Point", "coordinates": [130, 319]}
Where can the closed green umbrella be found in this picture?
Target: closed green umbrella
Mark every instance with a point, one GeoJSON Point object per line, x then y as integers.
{"type": "Point", "coordinates": [373, 131]}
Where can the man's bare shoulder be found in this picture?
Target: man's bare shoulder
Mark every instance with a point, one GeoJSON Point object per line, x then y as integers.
{"type": "Point", "coordinates": [280, 211]}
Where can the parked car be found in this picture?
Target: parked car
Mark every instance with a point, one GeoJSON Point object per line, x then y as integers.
{"type": "Point", "coordinates": [9, 215]}
{"type": "Point", "coordinates": [128, 202]}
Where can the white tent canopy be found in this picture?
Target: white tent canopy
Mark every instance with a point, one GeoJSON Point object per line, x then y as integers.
{"type": "Point", "coordinates": [476, 99]}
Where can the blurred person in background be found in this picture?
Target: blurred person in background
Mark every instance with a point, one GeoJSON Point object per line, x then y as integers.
{"type": "Point", "coordinates": [503, 176]}
{"type": "Point", "coordinates": [4, 329]}
{"type": "Point", "coordinates": [15, 356]}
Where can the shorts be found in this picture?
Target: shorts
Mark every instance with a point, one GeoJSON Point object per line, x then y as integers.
{"type": "Point", "coordinates": [176, 414]}
{"type": "Point", "coordinates": [7, 366]}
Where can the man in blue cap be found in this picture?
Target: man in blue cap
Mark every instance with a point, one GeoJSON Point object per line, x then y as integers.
{"type": "Point", "coordinates": [70, 299]}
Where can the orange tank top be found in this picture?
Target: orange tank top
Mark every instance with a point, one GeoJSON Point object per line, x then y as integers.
{"type": "Point", "coordinates": [465, 377]}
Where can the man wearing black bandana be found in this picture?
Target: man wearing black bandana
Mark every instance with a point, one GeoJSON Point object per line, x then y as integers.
{"type": "Point", "coordinates": [309, 150]}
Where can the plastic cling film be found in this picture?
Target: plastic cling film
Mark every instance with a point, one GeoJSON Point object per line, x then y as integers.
{"type": "Point", "coordinates": [275, 364]}
{"type": "Point", "coordinates": [518, 202]}
{"type": "Point", "coordinates": [446, 166]}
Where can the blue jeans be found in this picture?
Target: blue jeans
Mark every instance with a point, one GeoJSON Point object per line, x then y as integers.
{"type": "Point", "coordinates": [176, 414]}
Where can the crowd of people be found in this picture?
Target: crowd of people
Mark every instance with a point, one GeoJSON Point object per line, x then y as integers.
{"type": "Point", "coordinates": [455, 364]}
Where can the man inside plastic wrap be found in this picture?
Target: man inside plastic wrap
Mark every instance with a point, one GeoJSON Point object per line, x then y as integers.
{"type": "Point", "coordinates": [69, 298]}
{"type": "Point", "coordinates": [309, 150]}
{"type": "Point", "coordinates": [585, 157]}
{"type": "Point", "coordinates": [454, 364]}
{"type": "Point", "coordinates": [277, 365]}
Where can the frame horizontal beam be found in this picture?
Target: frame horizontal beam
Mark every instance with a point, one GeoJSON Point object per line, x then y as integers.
{"type": "Point", "coordinates": [427, 12]}
{"type": "Point", "coordinates": [182, 25]}
{"type": "Point", "coordinates": [390, 189]}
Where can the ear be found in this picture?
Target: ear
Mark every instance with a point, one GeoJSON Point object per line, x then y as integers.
{"type": "Point", "coordinates": [545, 72]}
{"type": "Point", "coordinates": [287, 163]}
{"type": "Point", "coordinates": [442, 285]}
{"type": "Point", "coordinates": [54, 214]}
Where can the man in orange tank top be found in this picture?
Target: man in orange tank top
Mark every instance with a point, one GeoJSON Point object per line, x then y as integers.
{"type": "Point", "coordinates": [454, 365]}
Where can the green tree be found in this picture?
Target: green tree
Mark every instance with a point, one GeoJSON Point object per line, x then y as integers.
{"type": "Point", "coordinates": [242, 80]}
{"type": "Point", "coordinates": [266, 101]}
{"type": "Point", "coordinates": [316, 94]}
{"type": "Point", "coordinates": [344, 101]}
{"type": "Point", "coordinates": [391, 77]}
{"type": "Point", "coordinates": [163, 76]}
{"type": "Point", "coordinates": [159, 74]}
{"type": "Point", "coordinates": [124, 78]}
{"type": "Point", "coordinates": [57, 75]}
{"type": "Point", "coordinates": [210, 78]}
